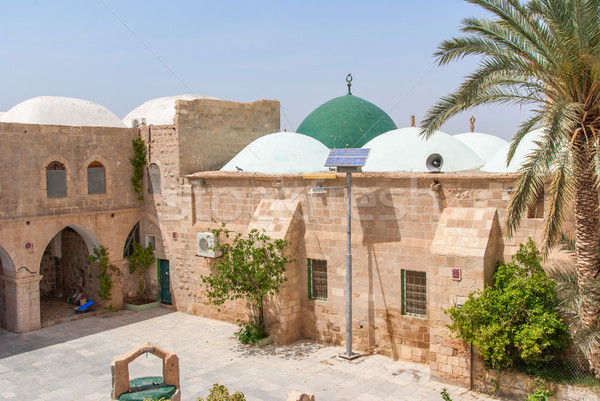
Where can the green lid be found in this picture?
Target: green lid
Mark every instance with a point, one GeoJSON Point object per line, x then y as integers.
{"type": "Point", "coordinates": [148, 388]}
{"type": "Point", "coordinates": [346, 122]}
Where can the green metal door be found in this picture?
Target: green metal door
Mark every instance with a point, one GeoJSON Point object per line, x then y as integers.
{"type": "Point", "coordinates": [165, 288]}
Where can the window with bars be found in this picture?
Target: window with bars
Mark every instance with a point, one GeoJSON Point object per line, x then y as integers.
{"type": "Point", "coordinates": [317, 279]}
{"type": "Point", "coordinates": [414, 293]}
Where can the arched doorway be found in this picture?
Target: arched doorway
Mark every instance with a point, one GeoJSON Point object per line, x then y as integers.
{"type": "Point", "coordinates": [67, 273]}
{"type": "Point", "coordinates": [5, 263]}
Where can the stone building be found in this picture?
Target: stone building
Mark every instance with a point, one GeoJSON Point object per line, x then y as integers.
{"type": "Point", "coordinates": [421, 241]}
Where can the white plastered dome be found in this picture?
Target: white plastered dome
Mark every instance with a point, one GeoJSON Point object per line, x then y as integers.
{"type": "Point", "coordinates": [281, 153]}
{"type": "Point", "coordinates": [497, 164]}
{"type": "Point", "coordinates": [406, 150]}
{"type": "Point", "coordinates": [159, 111]}
{"type": "Point", "coordinates": [484, 145]}
{"type": "Point", "coordinates": [55, 110]}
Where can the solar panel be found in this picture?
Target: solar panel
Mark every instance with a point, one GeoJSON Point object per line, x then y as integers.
{"type": "Point", "coordinates": [351, 157]}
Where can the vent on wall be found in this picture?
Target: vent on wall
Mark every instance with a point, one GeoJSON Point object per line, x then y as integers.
{"type": "Point", "coordinates": [208, 246]}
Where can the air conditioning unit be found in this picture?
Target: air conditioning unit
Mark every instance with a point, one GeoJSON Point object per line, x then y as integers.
{"type": "Point", "coordinates": [208, 246]}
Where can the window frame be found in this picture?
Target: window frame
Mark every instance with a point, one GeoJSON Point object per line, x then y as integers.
{"type": "Point", "coordinates": [96, 166]}
{"type": "Point", "coordinates": [61, 192]}
{"type": "Point", "coordinates": [311, 280]}
{"type": "Point", "coordinates": [405, 309]}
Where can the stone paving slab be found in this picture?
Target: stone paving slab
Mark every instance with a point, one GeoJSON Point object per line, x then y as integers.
{"type": "Point", "coordinates": [71, 361]}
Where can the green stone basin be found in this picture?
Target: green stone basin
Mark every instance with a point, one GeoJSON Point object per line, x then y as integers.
{"type": "Point", "coordinates": [148, 387]}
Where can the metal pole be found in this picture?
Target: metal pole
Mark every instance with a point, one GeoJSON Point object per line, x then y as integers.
{"type": "Point", "coordinates": [349, 354]}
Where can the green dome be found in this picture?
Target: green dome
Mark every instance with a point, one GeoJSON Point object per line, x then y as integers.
{"type": "Point", "coordinates": [346, 122]}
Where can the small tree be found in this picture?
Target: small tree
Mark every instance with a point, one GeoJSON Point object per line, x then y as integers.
{"type": "Point", "coordinates": [251, 268]}
{"type": "Point", "coordinates": [107, 271]}
{"type": "Point", "coordinates": [140, 259]}
{"type": "Point", "coordinates": [514, 320]}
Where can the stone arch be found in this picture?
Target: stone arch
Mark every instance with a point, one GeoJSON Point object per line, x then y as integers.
{"type": "Point", "coordinates": [91, 241]}
{"type": "Point", "coordinates": [64, 266]}
{"type": "Point", "coordinates": [133, 236]}
{"type": "Point", "coordinates": [6, 263]}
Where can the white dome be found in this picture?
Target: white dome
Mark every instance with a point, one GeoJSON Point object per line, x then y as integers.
{"type": "Point", "coordinates": [405, 150]}
{"type": "Point", "coordinates": [497, 164]}
{"type": "Point", "coordinates": [54, 110]}
{"type": "Point", "coordinates": [484, 145]}
{"type": "Point", "coordinates": [159, 111]}
{"type": "Point", "coordinates": [281, 153]}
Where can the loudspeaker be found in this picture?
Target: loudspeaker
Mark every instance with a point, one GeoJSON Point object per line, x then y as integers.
{"type": "Point", "coordinates": [434, 162]}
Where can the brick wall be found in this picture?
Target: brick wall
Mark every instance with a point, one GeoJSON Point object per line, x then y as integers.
{"type": "Point", "coordinates": [27, 151]}
{"type": "Point", "coordinates": [394, 221]}
{"type": "Point", "coordinates": [211, 132]}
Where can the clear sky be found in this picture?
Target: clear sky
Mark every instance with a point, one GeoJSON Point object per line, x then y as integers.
{"type": "Point", "coordinates": [121, 53]}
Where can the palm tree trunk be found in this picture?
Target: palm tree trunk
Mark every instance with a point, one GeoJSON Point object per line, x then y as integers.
{"type": "Point", "coordinates": [587, 222]}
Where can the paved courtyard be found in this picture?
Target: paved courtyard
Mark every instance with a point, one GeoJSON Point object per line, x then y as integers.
{"type": "Point", "coordinates": [71, 361]}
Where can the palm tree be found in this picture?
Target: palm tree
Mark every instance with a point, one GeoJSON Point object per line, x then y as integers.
{"type": "Point", "coordinates": [544, 53]}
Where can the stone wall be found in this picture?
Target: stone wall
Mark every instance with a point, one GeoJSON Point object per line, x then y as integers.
{"type": "Point", "coordinates": [29, 149]}
{"type": "Point", "coordinates": [2, 301]}
{"type": "Point", "coordinates": [517, 386]}
{"type": "Point", "coordinates": [74, 264]}
{"type": "Point", "coordinates": [51, 276]}
{"type": "Point", "coordinates": [211, 131]}
{"type": "Point", "coordinates": [395, 217]}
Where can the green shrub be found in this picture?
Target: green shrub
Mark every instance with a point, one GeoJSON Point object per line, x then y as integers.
{"type": "Point", "coordinates": [541, 393]}
{"type": "Point", "coordinates": [250, 332]}
{"type": "Point", "coordinates": [140, 259]}
{"type": "Point", "coordinates": [107, 271]}
{"type": "Point", "coordinates": [221, 393]}
{"type": "Point", "coordinates": [513, 322]}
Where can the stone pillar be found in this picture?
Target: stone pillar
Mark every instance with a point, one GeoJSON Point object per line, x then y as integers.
{"type": "Point", "coordinates": [22, 303]}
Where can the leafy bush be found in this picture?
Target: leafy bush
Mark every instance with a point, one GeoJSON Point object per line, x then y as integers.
{"type": "Point", "coordinates": [140, 259]}
{"type": "Point", "coordinates": [541, 393]}
{"type": "Point", "coordinates": [107, 271]}
{"type": "Point", "coordinates": [221, 393]}
{"type": "Point", "coordinates": [513, 322]}
{"type": "Point", "coordinates": [250, 332]}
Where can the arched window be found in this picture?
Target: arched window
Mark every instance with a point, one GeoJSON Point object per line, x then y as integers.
{"type": "Point", "coordinates": [56, 180]}
{"type": "Point", "coordinates": [96, 178]}
{"type": "Point", "coordinates": [153, 179]}
{"type": "Point", "coordinates": [134, 236]}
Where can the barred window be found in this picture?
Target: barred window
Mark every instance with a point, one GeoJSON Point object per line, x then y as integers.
{"type": "Point", "coordinates": [414, 293]}
{"type": "Point", "coordinates": [317, 279]}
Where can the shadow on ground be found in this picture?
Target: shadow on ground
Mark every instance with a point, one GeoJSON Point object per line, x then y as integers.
{"type": "Point", "coordinates": [299, 350]}
{"type": "Point", "coordinates": [13, 344]}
